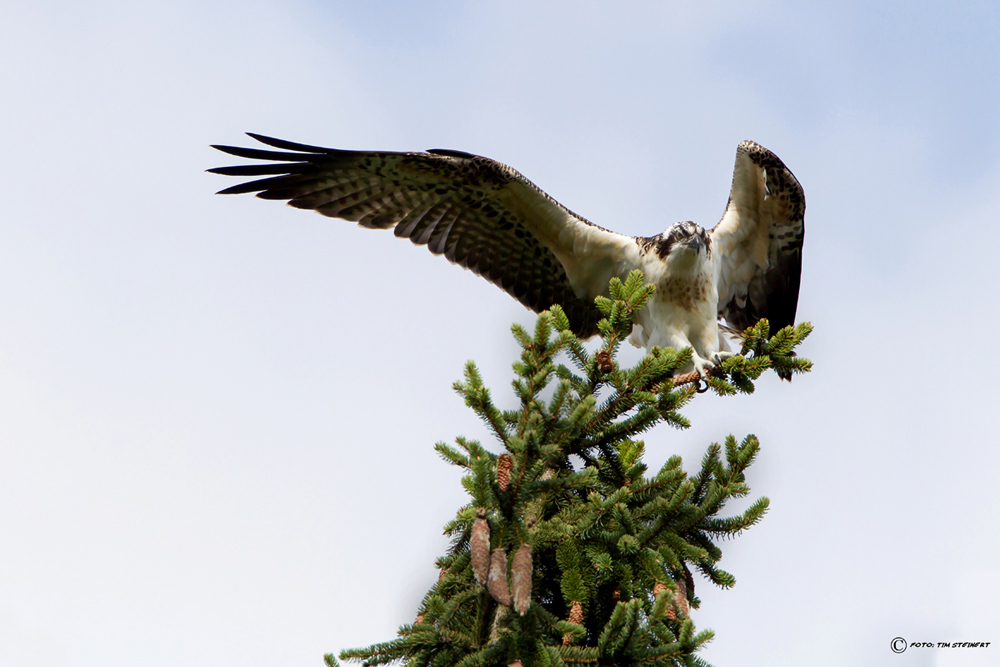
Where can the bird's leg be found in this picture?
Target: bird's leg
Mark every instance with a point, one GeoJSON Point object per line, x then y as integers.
{"type": "Point", "coordinates": [706, 367]}
{"type": "Point", "coordinates": [703, 366]}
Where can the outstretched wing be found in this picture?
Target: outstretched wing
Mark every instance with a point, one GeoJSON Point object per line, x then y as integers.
{"type": "Point", "coordinates": [478, 213]}
{"type": "Point", "coordinates": [759, 241]}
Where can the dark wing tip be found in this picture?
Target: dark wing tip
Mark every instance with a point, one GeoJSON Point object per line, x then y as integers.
{"type": "Point", "coordinates": [293, 159]}
{"type": "Point", "coordinates": [258, 169]}
{"type": "Point", "coordinates": [260, 154]}
{"type": "Point", "coordinates": [291, 145]}
{"type": "Point", "coordinates": [231, 150]}
{"type": "Point", "coordinates": [241, 188]}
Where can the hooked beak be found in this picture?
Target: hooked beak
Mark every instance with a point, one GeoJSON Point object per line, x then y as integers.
{"type": "Point", "coordinates": [695, 242]}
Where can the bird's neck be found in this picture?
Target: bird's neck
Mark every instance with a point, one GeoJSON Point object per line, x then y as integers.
{"type": "Point", "coordinates": [688, 263]}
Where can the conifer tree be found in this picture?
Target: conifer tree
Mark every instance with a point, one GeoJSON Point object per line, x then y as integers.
{"type": "Point", "coordinates": [569, 553]}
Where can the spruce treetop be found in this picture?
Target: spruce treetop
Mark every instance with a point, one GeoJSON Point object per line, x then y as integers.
{"type": "Point", "coordinates": [570, 551]}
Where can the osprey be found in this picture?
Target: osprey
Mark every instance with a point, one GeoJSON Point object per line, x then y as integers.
{"type": "Point", "coordinates": [488, 218]}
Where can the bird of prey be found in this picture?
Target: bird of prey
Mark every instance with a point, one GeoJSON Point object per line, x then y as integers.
{"type": "Point", "coordinates": [488, 218]}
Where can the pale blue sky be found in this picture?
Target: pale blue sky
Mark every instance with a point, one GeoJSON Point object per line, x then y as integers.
{"type": "Point", "coordinates": [195, 434]}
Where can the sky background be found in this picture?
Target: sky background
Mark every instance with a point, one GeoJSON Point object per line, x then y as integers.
{"type": "Point", "coordinates": [217, 414]}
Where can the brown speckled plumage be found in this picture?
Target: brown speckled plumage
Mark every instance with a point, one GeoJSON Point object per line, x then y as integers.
{"type": "Point", "coordinates": [773, 292]}
{"type": "Point", "coordinates": [457, 204]}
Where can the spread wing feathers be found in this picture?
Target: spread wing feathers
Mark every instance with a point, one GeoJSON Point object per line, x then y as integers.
{"type": "Point", "coordinates": [760, 241]}
{"type": "Point", "coordinates": [478, 213]}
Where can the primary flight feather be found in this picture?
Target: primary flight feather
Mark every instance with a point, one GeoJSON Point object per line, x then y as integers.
{"type": "Point", "coordinates": [488, 218]}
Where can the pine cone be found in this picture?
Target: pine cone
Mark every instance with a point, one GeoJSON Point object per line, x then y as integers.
{"type": "Point", "coordinates": [520, 574]}
{"type": "Point", "coordinates": [575, 616]}
{"type": "Point", "coordinates": [497, 582]}
{"type": "Point", "coordinates": [679, 603]}
{"type": "Point", "coordinates": [604, 363]}
{"type": "Point", "coordinates": [504, 465]}
{"type": "Point", "coordinates": [681, 598]}
{"type": "Point", "coordinates": [479, 545]}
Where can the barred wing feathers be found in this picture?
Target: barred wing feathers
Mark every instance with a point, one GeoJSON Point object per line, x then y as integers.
{"type": "Point", "coordinates": [478, 213]}
{"type": "Point", "coordinates": [760, 241]}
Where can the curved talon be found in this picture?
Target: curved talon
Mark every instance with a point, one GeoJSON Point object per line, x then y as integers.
{"type": "Point", "coordinates": [719, 357]}
{"type": "Point", "coordinates": [699, 385]}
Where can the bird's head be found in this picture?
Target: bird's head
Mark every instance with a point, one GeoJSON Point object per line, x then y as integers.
{"type": "Point", "coordinates": [689, 239]}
